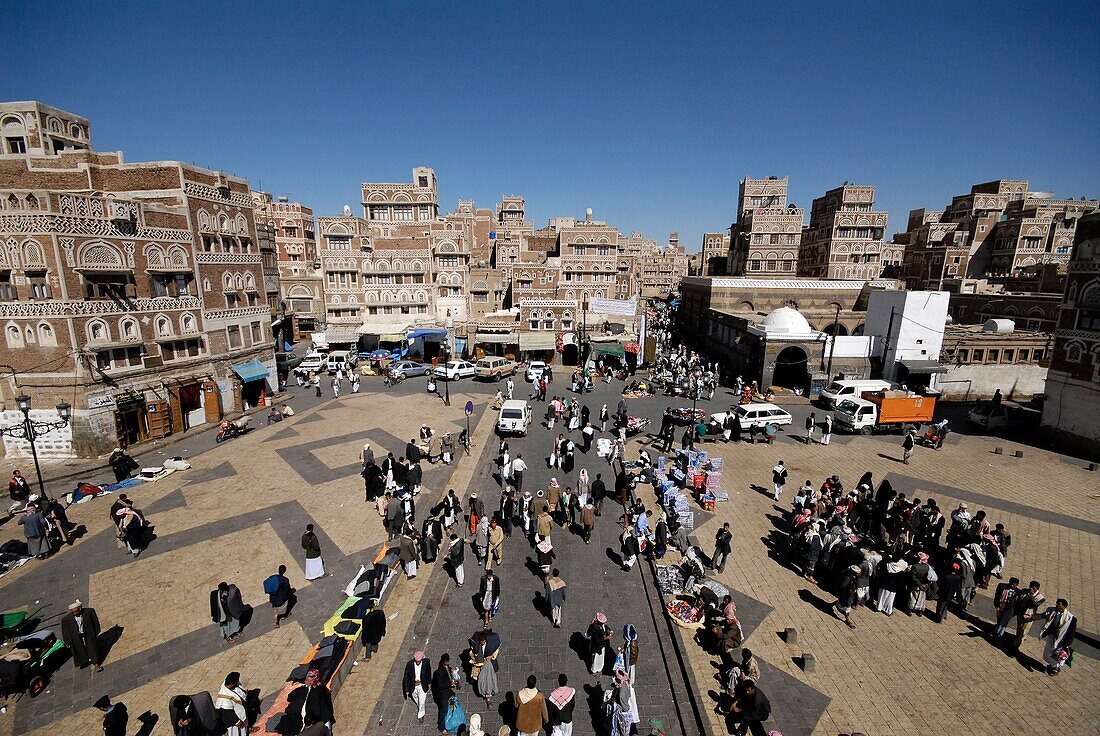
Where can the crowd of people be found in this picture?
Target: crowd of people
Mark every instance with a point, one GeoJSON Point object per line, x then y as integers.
{"type": "Point", "coordinates": [882, 551]}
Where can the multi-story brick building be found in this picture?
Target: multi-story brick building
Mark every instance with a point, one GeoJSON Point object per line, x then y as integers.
{"type": "Point", "coordinates": [998, 228]}
{"type": "Point", "coordinates": [714, 257]}
{"type": "Point", "coordinates": [765, 239]}
{"type": "Point", "coordinates": [299, 275]}
{"type": "Point", "coordinates": [134, 291]}
{"type": "Point", "coordinates": [1072, 402]}
{"type": "Point", "coordinates": [845, 236]}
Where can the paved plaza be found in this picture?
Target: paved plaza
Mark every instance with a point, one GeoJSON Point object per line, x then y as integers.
{"type": "Point", "coordinates": [240, 511]}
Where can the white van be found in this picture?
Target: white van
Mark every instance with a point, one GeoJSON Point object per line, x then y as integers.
{"type": "Point", "coordinates": [837, 391]}
{"type": "Point", "coordinates": [341, 360]}
{"type": "Point", "coordinates": [514, 417]}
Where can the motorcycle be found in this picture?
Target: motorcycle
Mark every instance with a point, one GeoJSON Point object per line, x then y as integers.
{"type": "Point", "coordinates": [232, 428]}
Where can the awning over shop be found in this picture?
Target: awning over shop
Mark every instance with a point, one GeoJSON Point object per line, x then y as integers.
{"type": "Point", "coordinates": [497, 338]}
{"type": "Point", "coordinates": [391, 337]}
{"type": "Point", "coordinates": [251, 371]}
{"type": "Point", "coordinates": [383, 328]}
{"type": "Point", "coordinates": [341, 335]}
{"type": "Point", "coordinates": [924, 366]}
{"type": "Point", "coordinates": [538, 341]}
{"type": "Point", "coordinates": [438, 333]}
{"type": "Point", "coordinates": [608, 348]}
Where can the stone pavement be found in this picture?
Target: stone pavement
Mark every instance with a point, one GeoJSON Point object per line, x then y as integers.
{"type": "Point", "coordinates": [242, 507]}
{"type": "Point", "coordinates": [236, 515]}
{"type": "Point", "coordinates": [447, 617]}
{"type": "Point", "coordinates": [900, 674]}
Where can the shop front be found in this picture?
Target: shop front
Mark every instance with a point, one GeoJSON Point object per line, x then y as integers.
{"type": "Point", "coordinates": [427, 342]}
{"type": "Point", "coordinates": [498, 344]}
{"type": "Point", "coordinates": [538, 346]}
{"type": "Point", "coordinates": [253, 384]}
{"type": "Point", "coordinates": [187, 399]}
{"type": "Point", "coordinates": [131, 418]}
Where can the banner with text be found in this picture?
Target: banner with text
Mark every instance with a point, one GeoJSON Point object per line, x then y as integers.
{"type": "Point", "coordinates": [621, 307]}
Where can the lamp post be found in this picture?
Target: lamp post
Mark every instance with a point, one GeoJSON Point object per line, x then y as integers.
{"type": "Point", "coordinates": [30, 430]}
{"type": "Point", "coordinates": [446, 377]}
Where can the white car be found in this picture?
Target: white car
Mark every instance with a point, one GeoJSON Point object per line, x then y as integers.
{"type": "Point", "coordinates": [758, 415]}
{"type": "Point", "coordinates": [988, 417]}
{"type": "Point", "coordinates": [312, 363]}
{"type": "Point", "coordinates": [455, 369]}
{"type": "Point", "coordinates": [535, 370]}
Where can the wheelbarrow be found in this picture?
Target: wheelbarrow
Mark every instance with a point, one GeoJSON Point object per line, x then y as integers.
{"type": "Point", "coordinates": [11, 623]}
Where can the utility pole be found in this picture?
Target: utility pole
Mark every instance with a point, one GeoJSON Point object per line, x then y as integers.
{"type": "Point", "coordinates": [832, 346]}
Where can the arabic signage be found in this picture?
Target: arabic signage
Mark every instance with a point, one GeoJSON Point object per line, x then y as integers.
{"type": "Point", "coordinates": [620, 307]}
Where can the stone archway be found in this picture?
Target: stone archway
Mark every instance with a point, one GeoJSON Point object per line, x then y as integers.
{"type": "Point", "coordinates": [792, 368]}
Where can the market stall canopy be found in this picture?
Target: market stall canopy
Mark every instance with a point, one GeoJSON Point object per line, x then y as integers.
{"type": "Point", "coordinates": [384, 328]}
{"type": "Point", "coordinates": [427, 333]}
{"type": "Point", "coordinates": [538, 341]}
{"type": "Point", "coordinates": [500, 338]}
{"type": "Point", "coordinates": [608, 348]}
{"type": "Point", "coordinates": [924, 366]}
{"type": "Point", "coordinates": [251, 371]}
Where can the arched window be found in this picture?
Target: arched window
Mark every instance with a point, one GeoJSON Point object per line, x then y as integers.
{"type": "Point", "coordinates": [249, 281]}
{"type": "Point", "coordinates": [227, 282]}
{"type": "Point", "coordinates": [187, 323]}
{"type": "Point", "coordinates": [1074, 352]}
{"type": "Point", "coordinates": [46, 336]}
{"type": "Point", "coordinates": [128, 329]}
{"type": "Point", "coordinates": [98, 331]}
{"type": "Point", "coordinates": [163, 326]}
{"type": "Point", "coordinates": [14, 335]}
{"type": "Point", "coordinates": [238, 282]}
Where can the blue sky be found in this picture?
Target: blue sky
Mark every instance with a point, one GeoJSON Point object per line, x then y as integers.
{"type": "Point", "coordinates": [649, 113]}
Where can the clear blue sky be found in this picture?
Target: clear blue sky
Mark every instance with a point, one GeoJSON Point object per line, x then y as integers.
{"type": "Point", "coordinates": [649, 113]}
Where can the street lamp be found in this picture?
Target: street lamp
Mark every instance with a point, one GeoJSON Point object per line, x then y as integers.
{"type": "Point", "coordinates": [446, 376]}
{"type": "Point", "coordinates": [30, 431]}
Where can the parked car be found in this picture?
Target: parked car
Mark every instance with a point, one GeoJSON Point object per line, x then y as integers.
{"type": "Point", "coordinates": [758, 415]}
{"type": "Point", "coordinates": [455, 369]}
{"type": "Point", "coordinates": [535, 370]}
{"type": "Point", "coordinates": [492, 368]}
{"type": "Point", "coordinates": [514, 417]}
{"type": "Point", "coordinates": [837, 391]}
{"type": "Point", "coordinates": [314, 362]}
{"type": "Point", "coordinates": [287, 361]}
{"type": "Point", "coordinates": [988, 416]}
{"type": "Point", "coordinates": [410, 368]}
{"type": "Point", "coordinates": [342, 360]}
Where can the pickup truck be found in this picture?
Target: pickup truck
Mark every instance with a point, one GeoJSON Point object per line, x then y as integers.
{"type": "Point", "coordinates": [883, 411]}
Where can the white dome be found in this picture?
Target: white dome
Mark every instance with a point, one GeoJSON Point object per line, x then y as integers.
{"type": "Point", "coordinates": [786, 320]}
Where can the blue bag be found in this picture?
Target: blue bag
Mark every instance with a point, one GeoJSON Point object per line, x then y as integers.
{"type": "Point", "coordinates": [456, 716]}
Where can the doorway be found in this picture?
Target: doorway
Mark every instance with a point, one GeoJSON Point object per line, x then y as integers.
{"type": "Point", "coordinates": [792, 368]}
{"type": "Point", "coordinates": [131, 424]}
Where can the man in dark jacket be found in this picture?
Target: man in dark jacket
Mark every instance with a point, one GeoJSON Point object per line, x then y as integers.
{"type": "Point", "coordinates": [412, 451]}
{"type": "Point", "coordinates": [80, 632]}
{"type": "Point", "coordinates": [280, 594]}
{"type": "Point", "coordinates": [374, 628]}
{"type": "Point", "coordinates": [115, 717]}
{"type": "Point", "coordinates": [721, 547]}
{"type": "Point", "coordinates": [416, 681]}
{"type": "Point", "coordinates": [949, 588]}
{"type": "Point", "coordinates": [598, 490]}
{"type": "Point", "coordinates": [226, 610]}
{"type": "Point", "coordinates": [750, 706]}
{"type": "Point", "coordinates": [316, 701]}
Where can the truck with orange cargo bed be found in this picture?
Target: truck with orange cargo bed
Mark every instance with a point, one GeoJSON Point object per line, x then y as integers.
{"type": "Point", "coordinates": [883, 411]}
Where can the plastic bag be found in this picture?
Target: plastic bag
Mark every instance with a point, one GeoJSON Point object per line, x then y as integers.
{"type": "Point", "coordinates": [456, 715]}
